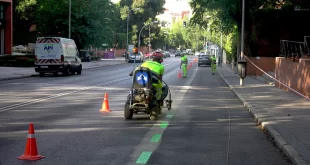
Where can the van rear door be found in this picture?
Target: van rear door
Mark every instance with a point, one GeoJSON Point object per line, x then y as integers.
{"type": "Point", "coordinates": [48, 51]}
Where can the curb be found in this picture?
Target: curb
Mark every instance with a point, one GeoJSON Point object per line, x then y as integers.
{"type": "Point", "coordinates": [20, 77]}
{"type": "Point", "coordinates": [287, 149]}
{"type": "Point", "coordinates": [104, 65]}
{"type": "Point", "coordinates": [35, 75]}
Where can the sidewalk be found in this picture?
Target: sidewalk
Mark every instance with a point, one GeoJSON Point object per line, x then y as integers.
{"type": "Point", "coordinates": [9, 73]}
{"type": "Point", "coordinates": [284, 115]}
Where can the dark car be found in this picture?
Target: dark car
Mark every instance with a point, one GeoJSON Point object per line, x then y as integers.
{"type": "Point", "coordinates": [177, 53]}
{"type": "Point", "coordinates": [167, 54]}
{"type": "Point", "coordinates": [85, 56]}
{"type": "Point", "coordinates": [204, 60]}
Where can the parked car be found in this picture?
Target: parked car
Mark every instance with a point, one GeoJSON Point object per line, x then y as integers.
{"type": "Point", "coordinates": [85, 56]}
{"type": "Point", "coordinates": [184, 53]}
{"type": "Point", "coordinates": [204, 60]}
{"type": "Point", "coordinates": [131, 57]}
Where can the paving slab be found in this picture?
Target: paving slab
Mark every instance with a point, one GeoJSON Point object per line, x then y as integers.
{"type": "Point", "coordinates": [283, 114]}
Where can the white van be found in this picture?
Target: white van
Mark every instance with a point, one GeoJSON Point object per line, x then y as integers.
{"type": "Point", "coordinates": [56, 54]}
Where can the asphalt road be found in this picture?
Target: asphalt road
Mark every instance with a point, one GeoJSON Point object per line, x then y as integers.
{"type": "Point", "coordinates": [207, 125]}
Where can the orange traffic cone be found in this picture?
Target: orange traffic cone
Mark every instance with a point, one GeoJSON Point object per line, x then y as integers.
{"type": "Point", "coordinates": [31, 152]}
{"type": "Point", "coordinates": [179, 74]}
{"type": "Point", "coordinates": [105, 104]}
{"type": "Point", "coordinates": [189, 66]}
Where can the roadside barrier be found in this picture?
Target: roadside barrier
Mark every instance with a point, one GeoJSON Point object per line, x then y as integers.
{"type": "Point", "coordinates": [307, 97]}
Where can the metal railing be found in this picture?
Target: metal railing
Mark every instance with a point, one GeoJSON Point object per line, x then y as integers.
{"type": "Point", "coordinates": [293, 50]}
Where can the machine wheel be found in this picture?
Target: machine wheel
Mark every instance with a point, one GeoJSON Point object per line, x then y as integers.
{"type": "Point", "coordinates": [154, 113]}
{"type": "Point", "coordinates": [42, 74]}
{"type": "Point", "coordinates": [55, 73]}
{"type": "Point", "coordinates": [127, 111]}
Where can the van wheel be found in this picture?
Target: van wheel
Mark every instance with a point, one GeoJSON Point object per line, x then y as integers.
{"type": "Point", "coordinates": [80, 71]}
{"type": "Point", "coordinates": [55, 73]}
{"type": "Point", "coordinates": [42, 74]}
{"type": "Point", "coordinates": [67, 71]}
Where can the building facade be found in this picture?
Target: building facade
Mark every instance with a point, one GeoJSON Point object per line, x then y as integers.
{"type": "Point", "coordinates": [171, 16]}
{"type": "Point", "coordinates": [6, 26]}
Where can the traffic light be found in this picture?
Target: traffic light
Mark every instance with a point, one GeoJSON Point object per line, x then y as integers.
{"type": "Point", "coordinates": [135, 50]}
{"type": "Point", "coordinates": [184, 23]}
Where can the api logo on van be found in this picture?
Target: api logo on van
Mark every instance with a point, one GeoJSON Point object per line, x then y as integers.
{"type": "Point", "coordinates": [48, 47]}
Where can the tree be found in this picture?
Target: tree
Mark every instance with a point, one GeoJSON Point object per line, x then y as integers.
{"type": "Point", "coordinates": [263, 19]}
{"type": "Point", "coordinates": [93, 22]}
{"type": "Point", "coordinates": [149, 9]}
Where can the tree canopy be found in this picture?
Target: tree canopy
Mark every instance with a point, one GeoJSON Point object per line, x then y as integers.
{"type": "Point", "coordinates": [93, 22]}
{"type": "Point", "coordinates": [261, 20]}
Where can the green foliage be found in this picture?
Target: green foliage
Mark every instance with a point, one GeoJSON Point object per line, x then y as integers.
{"type": "Point", "coordinates": [17, 61]}
{"type": "Point", "coordinates": [93, 22]}
{"type": "Point", "coordinates": [259, 20]}
{"type": "Point", "coordinates": [149, 9]}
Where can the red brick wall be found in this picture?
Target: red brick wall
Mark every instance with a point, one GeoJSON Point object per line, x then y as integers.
{"type": "Point", "coordinates": [293, 74]}
{"type": "Point", "coordinates": [10, 1]}
{"type": "Point", "coordinates": [9, 27]}
{"type": "Point", "coordinates": [265, 63]}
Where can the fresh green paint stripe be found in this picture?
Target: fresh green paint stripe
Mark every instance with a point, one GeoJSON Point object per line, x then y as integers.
{"type": "Point", "coordinates": [169, 116]}
{"type": "Point", "coordinates": [156, 138]}
{"type": "Point", "coordinates": [144, 157]}
{"type": "Point", "coordinates": [164, 124]}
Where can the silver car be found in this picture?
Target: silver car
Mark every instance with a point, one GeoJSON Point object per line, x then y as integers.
{"type": "Point", "coordinates": [138, 57]}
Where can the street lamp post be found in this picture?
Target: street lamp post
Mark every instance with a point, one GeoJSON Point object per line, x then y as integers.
{"type": "Point", "coordinates": [128, 24]}
{"type": "Point", "coordinates": [242, 31]}
{"type": "Point", "coordinates": [155, 22]}
{"type": "Point", "coordinates": [242, 41]}
{"type": "Point", "coordinates": [221, 54]}
{"type": "Point", "coordinates": [69, 19]}
{"type": "Point", "coordinates": [149, 39]}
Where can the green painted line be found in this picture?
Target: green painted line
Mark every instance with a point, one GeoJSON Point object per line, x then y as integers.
{"type": "Point", "coordinates": [144, 157]}
{"type": "Point", "coordinates": [155, 138]}
{"type": "Point", "coordinates": [169, 116]}
{"type": "Point", "coordinates": [164, 124]}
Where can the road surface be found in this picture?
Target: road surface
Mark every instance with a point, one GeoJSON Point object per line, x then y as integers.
{"type": "Point", "coordinates": [207, 125]}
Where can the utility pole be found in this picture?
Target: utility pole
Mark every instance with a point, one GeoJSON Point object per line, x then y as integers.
{"type": "Point", "coordinates": [149, 39]}
{"type": "Point", "coordinates": [242, 31]}
{"type": "Point", "coordinates": [69, 19]}
{"type": "Point", "coordinates": [242, 46]}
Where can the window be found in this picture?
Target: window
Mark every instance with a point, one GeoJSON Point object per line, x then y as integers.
{"type": "Point", "coordinates": [1, 11]}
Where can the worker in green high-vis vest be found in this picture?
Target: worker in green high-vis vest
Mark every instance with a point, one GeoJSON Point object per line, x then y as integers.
{"type": "Point", "coordinates": [184, 65]}
{"type": "Point", "coordinates": [213, 64]}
